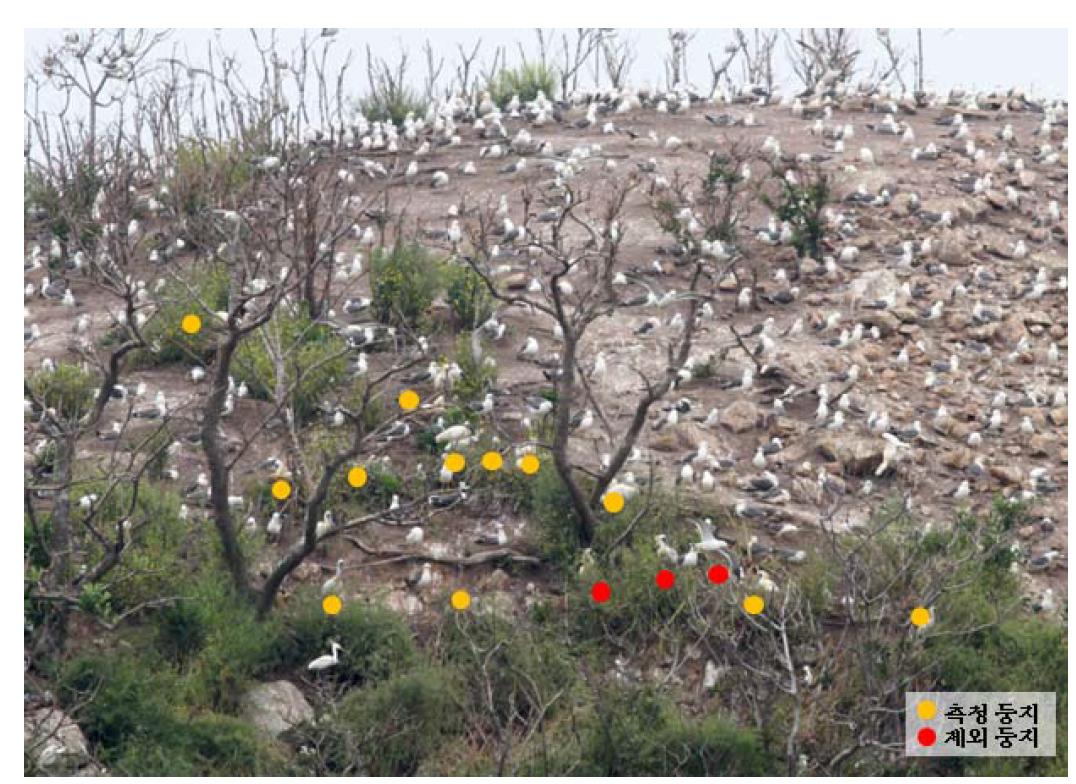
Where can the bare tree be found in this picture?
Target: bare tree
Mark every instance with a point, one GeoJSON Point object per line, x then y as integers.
{"type": "Point", "coordinates": [822, 57]}
{"type": "Point", "coordinates": [574, 56]}
{"type": "Point", "coordinates": [618, 56]}
{"type": "Point", "coordinates": [757, 57]}
{"type": "Point", "coordinates": [676, 61]}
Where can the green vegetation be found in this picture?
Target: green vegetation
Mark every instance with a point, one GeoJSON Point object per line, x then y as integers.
{"type": "Point", "coordinates": [388, 101]}
{"type": "Point", "coordinates": [313, 356]}
{"type": "Point", "coordinates": [468, 297]}
{"type": "Point", "coordinates": [525, 81]}
{"type": "Point", "coordinates": [405, 281]}
{"type": "Point", "coordinates": [801, 204]}
{"type": "Point", "coordinates": [204, 292]}
{"type": "Point", "coordinates": [67, 389]}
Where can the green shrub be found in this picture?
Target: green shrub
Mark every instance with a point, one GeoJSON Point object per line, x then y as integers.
{"type": "Point", "coordinates": [392, 727]}
{"type": "Point", "coordinates": [208, 745]}
{"type": "Point", "coordinates": [525, 81]}
{"type": "Point", "coordinates": [120, 698]}
{"type": "Point", "coordinates": [57, 203]}
{"type": "Point", "coordinates": [802, 205]}
{"type": "Point", "coordinates": [68, 389]}
{"type": "Point", "coordinates": [181, 630]}
{"type": "Point", "coordinates": [557, 524]}
{"type": "Point", "coordinates": [637, 732]}
{"type": "Point", "coordinates": [207, 173]}
{"type": "Point", "coordinates": [468, 296]}
{"type": "Point", "coordinates": [405, 281]}
{"type": "Point", "coordinates": [390, 102]}
{"type": "Point", "coordinates": [376, 642]}
{"type": "Point", "coordinates": [206, 283]}
{"type": "Point", "coordinates": [476, 376]}
{"type": "Point", "coordinates": [315, 361]}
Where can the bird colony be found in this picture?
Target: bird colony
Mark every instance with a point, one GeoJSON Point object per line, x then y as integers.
{"type": "Point", "coordinates": [918, 354]}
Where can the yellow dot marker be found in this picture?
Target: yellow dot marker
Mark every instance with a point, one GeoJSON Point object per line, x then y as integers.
{"type": "Point", "coordinates": [331, 604]}
{"type": "Point", "coordinates": [926, 709]}
{"type": "Point", "coordinates": [191, 324]}
{"type": "Point", "coordinates": [455, 462]}
{"type": "Point", "coordinates": [529, 464]}
{"type": "Point", "coordinates": [356, 477]}
{"type": "Point", "coordinates": [753, 604]}
{"type": "Point", "coordinates": [281, 489]}
{"type": "Point", "coordinates": [613, 502]}
{"type": "Point", "coordinates": [492, 461]}
{"type": "Point", "coordinates": [461, 600]}
{"type": "Point", "coordinates": [408, 400]}
{"type": "Point", "coordinates": [920, 616]}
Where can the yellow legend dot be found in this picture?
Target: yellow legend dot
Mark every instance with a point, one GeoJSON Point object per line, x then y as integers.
{"type": "Point", "coordinates": [408, 400]}
{"type": "Point", "coordinates": [331, 604]}
{"type": "Point", "coordinates": [281, 489]}
{"type": "Point", "coordinates": [461, 600]}
{"type": "Point", "coordinates": [529, 464]}
{"type": "Point", "coordinates": [753, 604]}
{"type": "Point", "coordinates": [455, 462]}
{"type": "Point", "coordinates": [613, 502]}
{"type": "Point", "coordinates": [356, 477]}
{"type": "Point", "coordinates": [492, 461]}
{"type": "Point", "coordinates": [926, 709]}
{"type": "Point", "coordinates": [191, 324]}
{"type": "Point", "coordinates": [920, 616]}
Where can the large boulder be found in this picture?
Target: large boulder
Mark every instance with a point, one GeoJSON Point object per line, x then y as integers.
{"type": "Point", "coordinates": [276, 707]}
{"type": "Point", "coordinates": [857, 456]}
{"type": "Point", "coordinates": [741, 416]}
{"type": "Point", "coordinates": [53, 743]}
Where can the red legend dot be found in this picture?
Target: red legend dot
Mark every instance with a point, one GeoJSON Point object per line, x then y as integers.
{"type": "Point", "coordinates": [926, 736]}
{"type": "Point", "coordinates": [665, 579]}
{"type": "Point", "coordinates": [600, 592]}
{"type": "Point", "coordinates": [718, 573]}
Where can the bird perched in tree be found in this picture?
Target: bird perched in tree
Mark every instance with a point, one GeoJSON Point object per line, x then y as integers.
{"type": "Point", "coordinates": [327, 661]}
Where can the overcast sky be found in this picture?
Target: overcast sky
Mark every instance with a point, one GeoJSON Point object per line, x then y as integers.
{"type": "Point", "coordinates": [1035, 60]}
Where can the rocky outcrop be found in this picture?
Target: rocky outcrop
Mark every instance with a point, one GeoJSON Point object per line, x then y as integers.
{"type": "Point", "coordinates": [276, 707]}
{"type": "Point", "coordinates": [54, 745]}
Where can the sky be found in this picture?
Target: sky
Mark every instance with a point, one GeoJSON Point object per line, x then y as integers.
{"type": "Point", "coordinates": [980, 59]}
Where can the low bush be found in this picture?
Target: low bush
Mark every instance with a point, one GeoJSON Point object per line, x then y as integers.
{"type": "Point", "coordinates": [67, 389]}
{"type": "Point", "coordinates": [468, 296]}
{"type": "Point", "coordinates": [208, 283]}
{"type": "Point", "coordinates": [525, 81]}
{"type": "Point", "coordinates": [314, 359]}
{"type": "Point", "coordinates": [405, 281]}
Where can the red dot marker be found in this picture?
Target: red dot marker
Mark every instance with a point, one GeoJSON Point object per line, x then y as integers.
{"type": "Point", "coordinates": [665, 579]}
{"type": "Point", "coordinates": [926, 736]}
{"type": "Point", "coordinates": [718, 574]}
{"type": "Point", "coordinates": [600, 592]}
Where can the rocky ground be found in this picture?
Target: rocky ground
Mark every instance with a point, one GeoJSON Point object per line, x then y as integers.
{"type": "Point", "coordinates": [997, 263]}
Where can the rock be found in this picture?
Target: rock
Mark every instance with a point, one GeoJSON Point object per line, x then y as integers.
{"type": "Point", "coordinates": [54, 744]}
{"type": "Point", "coordinates": [403, 602]}
{"type": "Point", "coordinates": [275, 707]}
{"type": "Point", "coordinates": [856, 456]}
{"type": "Point", "coordinates": [728, 283]}
{"type": "Point", "coordinates": [1038, 317]}
{"type": "Point", "coordinates": [516, 281]}
{"type": "Point", "coordinates": [886, 322]}
{"type": "Point", "coordinates": [1040, 445]}
{"type": "Point", "coordinates": [959, 458]}
{"type": "Point", "coordinates": [741, 416]}
{"type": "Point", "coordinates": [1026, 178]}
{"type": "Point", "coordinates": [873, 284]}
{"type": "Point", "coordinates": [952, 247]}
{"type": "Point", "coordinates": [1006, 474]}
{"type": "Point", "coordinates": [1010, 330]}
{"type": "Point", "coordinates": [997, 199]}
{"type": "Point", "coordinates": [1059, 416]}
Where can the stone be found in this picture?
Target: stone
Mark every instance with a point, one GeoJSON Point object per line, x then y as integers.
{"type": "Point", "coordinates": [1040, 445]}
{"type": "Point", "coordinates": [1026, 178]}
{"type": "Point", "coordinates": [1059, 417]}
{"type": "Point", "coordinates": [886, 322]}
{"type": "Point", "coordinates": [741, 416]}
{"type": "Point", "coordinates": [1006, 474]}
{"type": "Point", "coordinates": [1038, 317]}
{"type": "Point", "coordinates": [275, 707]}
{"type": "Point", "coordinates": [997, 199]}
{"type": "Point", "coordinates": [516, 281]}
{"type": "Point", "coordinates": [54, 743]}
{"type": "Point", "coordinates": [857, 456]}
{"type": "Point", "coordinates": [959, 458]}
{"type": "Point", "coordinates": [728, 283]}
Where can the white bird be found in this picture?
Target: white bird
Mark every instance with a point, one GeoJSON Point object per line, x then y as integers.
{"type": "Point", "coordinates": [414, 536]}
{"type": "Point", "coordinates": [327, 661]}
{"type": "Point", "coordinates": [274, 526]}
{"type": "Point", "coordinates": [963, 491]}
{"type": "Point", "coordinates": [332, 585]}
{"type": "Point", "coordinates": [691, 557]}
{"type": "Point", "coordinates": [665, 550]}
{"type": "Point", "coordinates": [707, 541]}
